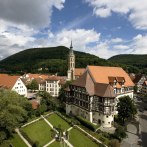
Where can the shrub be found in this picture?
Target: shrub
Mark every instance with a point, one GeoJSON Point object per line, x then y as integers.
{"type": "Point", "coordinates": [114, 143]}
{"type": "Point", "coordinates": [120, 133]}
{"type": "Point", "coordinates": [86, 123]}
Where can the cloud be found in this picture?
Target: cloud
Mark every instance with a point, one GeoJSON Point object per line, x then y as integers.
{"type": "Point", "coordinates": [21, 21]}
{"type": "Point", "coordinates": [29, 12]}
{"type": "Point", "coordinates": [139, 44]}
{"type": "Point", "coordinates": [135, 10]}
{"type": "Point", "coordinates": [116, 40]}
{"type": "Point", "coordinates": [81, 38]}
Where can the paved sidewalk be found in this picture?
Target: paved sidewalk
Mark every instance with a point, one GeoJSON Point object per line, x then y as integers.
{"type": "Point", "coordinates": [49, 143]}
{"type": "Point", "coordinates": [49, 123]}
{"type": "Point", "coordinates": [67, 142]}
{"type": "Point", "coordinates": [108, 130]}
{"type": "Point", "coordinates": [132, 139]}
{"type": "Point", "coordinates": [26, 142]}
{"type": "Point", "coordinates": [31, 122]}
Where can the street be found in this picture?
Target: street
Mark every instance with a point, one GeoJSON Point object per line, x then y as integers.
{"type": "Point", "coordinates": [143, 121]}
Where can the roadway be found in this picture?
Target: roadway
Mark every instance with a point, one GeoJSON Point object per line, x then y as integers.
{"type": "Point", "coordinates": [142, 120]}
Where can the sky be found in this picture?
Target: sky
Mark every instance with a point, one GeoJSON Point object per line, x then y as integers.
{"type": "Point", "coordinates": [101, 27]}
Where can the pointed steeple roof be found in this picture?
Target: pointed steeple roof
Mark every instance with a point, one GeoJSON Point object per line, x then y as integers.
{"type": "Point", "coordinates": [71, 48]}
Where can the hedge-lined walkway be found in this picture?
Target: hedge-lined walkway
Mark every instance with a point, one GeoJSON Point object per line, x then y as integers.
{"type": "Point", "coordinates": [39, 131]}
{"type": "Point", "coordinates": [20, 135]}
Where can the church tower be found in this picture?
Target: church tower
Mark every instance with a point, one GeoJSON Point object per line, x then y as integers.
{"type": "Point", "coordinates": [71, 64]}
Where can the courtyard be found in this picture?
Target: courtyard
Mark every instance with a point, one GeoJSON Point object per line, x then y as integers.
{"type": "Point", "coordinates": [42, 132]}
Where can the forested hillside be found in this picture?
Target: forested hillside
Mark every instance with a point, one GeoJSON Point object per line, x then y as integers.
{"type": "Point", "coordinates": [51, 60]}
{"type": "Point", "coordinates": [137, 61]}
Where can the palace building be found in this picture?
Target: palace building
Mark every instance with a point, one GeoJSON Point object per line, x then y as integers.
{"type": "Point", "coordinates": [94, 95]}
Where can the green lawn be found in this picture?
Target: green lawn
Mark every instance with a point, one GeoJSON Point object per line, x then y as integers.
{"type": "Point", "coordinates": [16, 141]}
{"type": "Point", "coordinates": [55, 144]}
{"type": "Point", "coordinates": [78, 139]}
{"type": "Point", "coordinates": [39, 131]}
{"type": "Point", "coordinates": [56, 120]}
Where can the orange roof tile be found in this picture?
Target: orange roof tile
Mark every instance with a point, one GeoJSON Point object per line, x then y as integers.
{"type": "Point", "coordinates": [79, 71]}
{"type": "Point", "coordinates": [145, 83]}
{"type": "Point", "coordinates": [36, 76]}
{"type": "Point", "coordinates": [8, 81]}
{"type": "Point", "coordinates": [35, 104]}
{"type": "Point", "coordinates": [100, 74]}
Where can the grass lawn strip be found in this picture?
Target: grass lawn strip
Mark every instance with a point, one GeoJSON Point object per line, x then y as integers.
{"type": "Point", "coordinates": [56, 144]}
{"type": "Point", "coordinates": [39, 132]}
{"type": "Point", "coordinates": [16, 141]}
{"type": "Point", "coordinates": [78, 139]}
{"type": "Point", "coordinates": [33, 121]}
{"type": "Point", "coordinates": [56, 120]}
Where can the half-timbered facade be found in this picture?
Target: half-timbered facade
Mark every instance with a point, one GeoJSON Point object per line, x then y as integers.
{"type": "Point", "coordinates": [94, 94]}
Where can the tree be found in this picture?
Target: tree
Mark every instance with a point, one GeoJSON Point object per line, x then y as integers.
{"type": "Point", "coordinates": [126, 108]}
{"type": "Point", "coordinates": [46, 99]}
{"type": "Point", "coordinates": [13, 112]}
{"type": "Point", "coordinates": [120, 133]}
{"type": "Point", "coordinates": [33, 85]}
{"type": "Point", "coordinates": [135, 89]}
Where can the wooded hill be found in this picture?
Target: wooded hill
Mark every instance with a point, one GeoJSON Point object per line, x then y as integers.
{"type": "Point", "coordinates": [138, 61]}
{"type": "Point", "coordinates": [51, 60]}
{"type": "Point", "coordinates": [54, 60]}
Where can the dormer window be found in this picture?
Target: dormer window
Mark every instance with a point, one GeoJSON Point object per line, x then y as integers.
{"type": "Point", "coordinates": [115, 82]}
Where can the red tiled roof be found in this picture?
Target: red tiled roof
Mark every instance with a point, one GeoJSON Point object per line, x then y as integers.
{"type": "Point", "coordinates": [97, 79]}
{"type": "Point", "coordinates": [100, 74]}
{"type": "Point", "coordinates": [36, 76]}
{"type": "Point", "coordinates": [8, 81]}
{"type": "Point", "coordinates": [79, 71]}
{"type": "Point", "coordinates": [145, 83]}
{"type": "Point", "coordinates": [35, 104]}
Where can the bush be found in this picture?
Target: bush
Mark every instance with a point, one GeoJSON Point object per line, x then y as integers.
{"type": "Point", "coordinates": [120, 133]}
{"type": "Point", "coordinates": [71, 121]}
{"type": "Point", "coordinates": [86, 123]}
{"type": "Point", "coordinates": [114, 143]}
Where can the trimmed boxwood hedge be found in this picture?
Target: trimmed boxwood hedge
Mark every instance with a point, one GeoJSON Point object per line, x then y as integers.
{"type": "Point", "coordinates": [86, 123]}
{"type": "Point", "coordinates": [36, 143]}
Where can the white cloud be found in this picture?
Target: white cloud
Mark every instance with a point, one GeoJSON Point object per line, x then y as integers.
{"type": "Point", "coordinates": [21, 20]}
{"type": "Point", "coordinates": [139, 44]}
{"type": "Point", "coordinates": [120, 47]}
{"type": "Point", "coordinates": [102, 12]}
{"type": "Point", "coordinates": [34, 13]}
{"type": "Point", "coordinates": [116, 40]}
{"type": "Point", "coordinates": [135, 10]}
{"type": "Point", "coordinates": [80, 37]}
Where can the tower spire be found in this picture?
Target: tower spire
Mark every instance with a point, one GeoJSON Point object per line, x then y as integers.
{"type": "Point", "coordinates": [71, 64]}
{"type": "Point", "coordinates": [71, 47]}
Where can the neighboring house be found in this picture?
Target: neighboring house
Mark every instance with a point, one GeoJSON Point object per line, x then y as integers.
{"type": "Point", "coordinates": [138, 81]}
{"type": "Point", "coordinates": [27, 78]}
{"type": "Point", "coordinates": [94, 95]}
{"type": "Point", "coordinates": [13, 83]}
{"type": "Point", "coordinates": [52, 85]}
{"type": "Point", "coordinates": [48, 83]}
{"type": "Point", "coordinates": [144, 87]}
